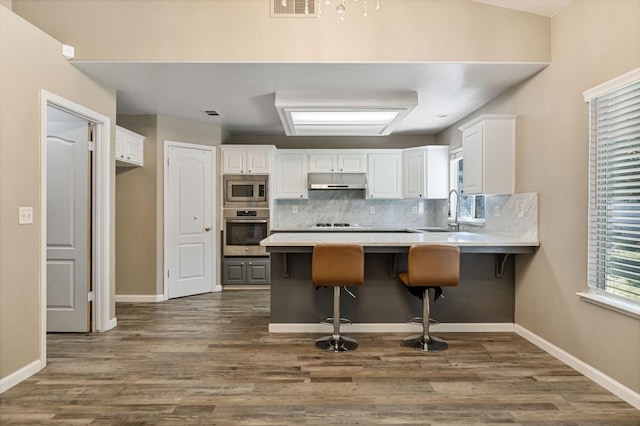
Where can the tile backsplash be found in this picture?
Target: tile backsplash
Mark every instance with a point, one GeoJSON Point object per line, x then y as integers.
{"type": "Point", "coordinates": [515, 215]}
{"type": "Point", "coordinates": [350, 206]}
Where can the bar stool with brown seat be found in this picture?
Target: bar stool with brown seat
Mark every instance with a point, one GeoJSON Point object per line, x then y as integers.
{"type": "Point", "coordinates": [337, 265]}
{"type": "Point", "coordinates": [430, 266]}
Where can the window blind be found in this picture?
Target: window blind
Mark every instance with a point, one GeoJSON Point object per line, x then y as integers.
{"type": "Point", "coordinates": [614, 193]}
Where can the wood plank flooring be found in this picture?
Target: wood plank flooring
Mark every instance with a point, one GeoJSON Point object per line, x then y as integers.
{"type": "Point", "coordinates": [209, 359]}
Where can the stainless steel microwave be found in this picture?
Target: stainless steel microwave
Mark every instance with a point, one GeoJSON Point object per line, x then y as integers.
{"type": "Point", "coordinates": [246, 191]}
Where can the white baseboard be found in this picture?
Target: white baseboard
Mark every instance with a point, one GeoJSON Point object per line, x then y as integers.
{"type": "Point", "coordinates": [24, 373]}
{"type": "Point", "coordinates": [113, 322]}
{"type": "Point", "coordinates": [140, 298]}
{"type": "Point", "coordinates": [393, 328]}
{"type": "Point", "coordinates": [613, 386]}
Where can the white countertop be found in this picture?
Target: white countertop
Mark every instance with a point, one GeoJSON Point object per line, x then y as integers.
{"type": "Point", "coordinates": [394, 239]}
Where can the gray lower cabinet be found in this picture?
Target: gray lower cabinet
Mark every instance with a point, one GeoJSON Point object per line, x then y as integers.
{"type": "Point", "coordinates": [246, 270]}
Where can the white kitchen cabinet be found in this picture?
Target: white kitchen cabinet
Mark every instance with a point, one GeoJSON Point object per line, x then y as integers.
{"type": "Point", "coordinates": [425, 172]}
{"type": "Point", "coordinates": [291, 174]}
{"type": "Point", "coordinates": [129, 148]}
{"type": "Point", "coordinates": [489, 154]}
{"type": "Point", "coordinates": [343, 162]}
{"type": "Point", "coordinates": [384, 175]}
{"type": "Point", "coordinates": [241, 160]}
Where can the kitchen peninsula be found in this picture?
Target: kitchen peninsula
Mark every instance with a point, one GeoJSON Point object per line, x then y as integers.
{"type": "Point", "coordinates": [484, 299]}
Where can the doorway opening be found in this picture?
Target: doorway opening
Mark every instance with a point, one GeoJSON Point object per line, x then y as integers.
{"type": "Point", "coordinates": [63, 125]}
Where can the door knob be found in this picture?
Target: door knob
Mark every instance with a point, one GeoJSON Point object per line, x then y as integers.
{"type": "Point", "coordinates": [208, 228]}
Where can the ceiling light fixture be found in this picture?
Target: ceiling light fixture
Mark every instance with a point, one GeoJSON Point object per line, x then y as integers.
{"type": "Point", "coordinates": [345, 115]}
{"type": "Point", "coordinates": [341, 8]}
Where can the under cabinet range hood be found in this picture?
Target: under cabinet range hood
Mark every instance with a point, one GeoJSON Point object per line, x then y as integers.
{"type": "Point", "coordinates": [337, 181]}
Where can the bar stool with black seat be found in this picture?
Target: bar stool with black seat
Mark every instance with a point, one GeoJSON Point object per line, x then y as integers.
{"type": "Point", "coordinates": [430, 266]}
{"type": "Point", "coordinates": [337, 265]}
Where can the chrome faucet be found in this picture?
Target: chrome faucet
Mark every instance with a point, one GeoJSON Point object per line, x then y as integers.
{"type": "Point", "coordinates": [455, 226]}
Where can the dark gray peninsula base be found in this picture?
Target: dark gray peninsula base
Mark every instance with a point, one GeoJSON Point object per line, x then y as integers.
{"type": "Point", "coordinates": [483, 300]}
{"type": "Point", "coordinates": [481, 297]}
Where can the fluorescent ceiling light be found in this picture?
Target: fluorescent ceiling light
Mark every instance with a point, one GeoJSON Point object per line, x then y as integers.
{"type": "Point", "coordinates": [344, 115]}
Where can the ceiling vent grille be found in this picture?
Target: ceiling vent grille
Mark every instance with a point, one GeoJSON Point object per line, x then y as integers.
{"type": "Point", "coordinates": [293, 9]}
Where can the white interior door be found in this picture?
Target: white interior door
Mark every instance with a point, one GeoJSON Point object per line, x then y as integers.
{"type": "Point", "coordinates": [189, 221]}
{"type": "Point", "coordinates": [68, 232]}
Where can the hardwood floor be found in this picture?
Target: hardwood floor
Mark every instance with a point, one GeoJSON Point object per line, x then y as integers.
{"type": "Point", "coordinates": [209, 359]}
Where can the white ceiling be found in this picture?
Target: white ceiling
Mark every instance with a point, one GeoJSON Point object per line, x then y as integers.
{"type": "Point", "coordinates": [244, 93]}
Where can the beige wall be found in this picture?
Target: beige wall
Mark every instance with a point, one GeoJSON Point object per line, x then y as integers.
{"type": "Point", "coordinates": [31, 61]}
{"type": "Point", "coordinates": [136, 200]}
{"type": "Point", "coordinates": [552, 159]}
{"type": "Point", "coordinates": [139, 201]}
{"type": "Point", "coordinates": [242, 30]}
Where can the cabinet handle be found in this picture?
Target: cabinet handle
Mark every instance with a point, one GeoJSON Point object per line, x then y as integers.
{"type": "Point", "coordinates": [250, 263]}
{"type": "Point", "coordinates": [248, 171]}
{"type": "Point", "coordinates": [300, 195]}
{"type": "Point", "coordinates": [208, 228]}
{"type": "Point", "coordinates": [121, 155]}
{"type": "Point", "coordinates": [128, 158]}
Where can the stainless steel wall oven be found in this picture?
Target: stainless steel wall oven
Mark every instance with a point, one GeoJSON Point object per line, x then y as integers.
{"type": "Point", "coordinates": [243, 231]}
{"type": "Point", "coordinates": [242, 191]}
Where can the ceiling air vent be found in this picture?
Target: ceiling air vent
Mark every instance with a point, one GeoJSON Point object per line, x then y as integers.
{"type": "Point", "coordinates": [212, 113]}
{"type": "Point", "coordinates": [293, 8]}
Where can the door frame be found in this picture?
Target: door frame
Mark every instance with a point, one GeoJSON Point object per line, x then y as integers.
{"type": "Point", "coordinates": [101, 221]}
{"type": "Point", "coordinates": [214, 209]}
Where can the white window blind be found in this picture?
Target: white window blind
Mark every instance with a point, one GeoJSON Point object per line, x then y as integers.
{"type": "Point", "coordinates": [614, 192]}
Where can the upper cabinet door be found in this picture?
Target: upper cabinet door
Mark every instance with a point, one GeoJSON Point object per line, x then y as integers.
{"type": "Point", "coordinates": [473, 154]}
{"type": "Point", "coordinates": [352, 163]}
{"type": "Point", "coordinates": [425, 172]}
{"type": "Point", "coordinates": [234, 161]}
{"type": "Point", "coordinates": [489, 152]}
{"type": "Point", "coordinates": [337, 162]}
{"type": "Point", "coordinates": [323, 162]}
{"type": "Point", "coordinates": [413, 171]}
{"type": "Point", "coordinates": [291, 175]}
{"type": "Point", "coordinates": [384, 176]}
{"type": "Point", "coordinates": [258, 161]}
{"type": "Point", "coordinates": [129, 148]}
{"type": "Point", "coordinates": [244, 160]}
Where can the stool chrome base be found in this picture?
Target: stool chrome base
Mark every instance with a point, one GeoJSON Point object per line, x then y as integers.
{"type": "Point", "coordinates": [430, 344]}
{"type": "Point", "coordinates": [336, 344]}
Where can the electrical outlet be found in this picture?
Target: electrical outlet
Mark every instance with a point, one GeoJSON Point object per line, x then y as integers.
{"type": "Point", "coordinates": [372, 210]}
{"type": "Point", "coordinates": [496, 211]}
{"type": "Point", "coordinates": [25, 215]}
{"type": "Point", "coordinates": [520, 208]}
{"type": "Point", "coordinates": [295, 209]}
{"type": "Point", "coordinates": [414, 210]}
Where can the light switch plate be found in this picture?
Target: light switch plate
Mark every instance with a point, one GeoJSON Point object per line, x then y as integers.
{"type": "Point", "coordinates": [25, 215]}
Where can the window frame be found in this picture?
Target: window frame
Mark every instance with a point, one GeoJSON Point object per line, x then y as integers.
{"type": "Point", "coordinates": [455, 182]}
{"type": "Point", "coordinates": [597, 268]}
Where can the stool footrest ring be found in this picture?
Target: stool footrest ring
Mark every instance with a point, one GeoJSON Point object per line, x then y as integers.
{"type": "Point", "coordinates": [343, 321]}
